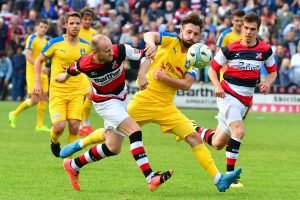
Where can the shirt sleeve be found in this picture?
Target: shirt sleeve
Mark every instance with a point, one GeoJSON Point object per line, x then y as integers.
{"type": "Point", "coordinates": [133, 53]}
{"type": "Point", "coordinates": [74, 68]}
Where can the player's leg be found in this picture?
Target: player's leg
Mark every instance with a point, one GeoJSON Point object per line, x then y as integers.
{"type": "Point", "coordinates": [110, 148]}
{"type": "Point", "coordinates": [95, 137]}
{"type": "Point", "coordinates": [29, 102]}
{"type": "Point", "coordinates": [181, 126]}
{"type": "Point", "coordinates": [42, 106]}
{"type": "Point", "coordinates": [57, 110]}
{"type": "Point", "coordinates": [85, 126]}
{"type": "Point", "coordinates": [132, 129]}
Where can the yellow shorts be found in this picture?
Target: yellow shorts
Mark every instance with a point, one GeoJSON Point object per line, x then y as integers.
{"type": "Point", "coordinates": [87, 87]}
{"type": "Point", "coordinates": [169, 117]}
{"type": "Point", "coordinates": [63, 106]}
{"type": "Point", "coordinates": [30, 80]}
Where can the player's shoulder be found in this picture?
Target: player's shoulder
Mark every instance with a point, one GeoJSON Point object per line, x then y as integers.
{"type": "Point", "coordinates": [226, 31]}
{"type": "Point", "coordinates": [83, 41]}
{"type": "Point", "coordinates": [55, 40]}
{"type": "Point", "coordinates": [262, 46]}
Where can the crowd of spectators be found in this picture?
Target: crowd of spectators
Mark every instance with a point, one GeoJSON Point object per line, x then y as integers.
{"type": "Point", "coordinates": [125, 21]}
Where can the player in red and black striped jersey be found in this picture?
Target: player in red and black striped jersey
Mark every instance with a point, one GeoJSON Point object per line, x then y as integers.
{"type": "Point", "coordinates": [104, 68]}
{"type": "Point", "coordinates": [244, 59]}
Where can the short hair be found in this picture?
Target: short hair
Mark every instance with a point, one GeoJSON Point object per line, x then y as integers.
{"type": "Point", "coordinates": [71, 14]}
{"type": "Point", "coordinates": [238, 13]}
{"type": "Point", "coordinates": [3, 53]}
{"type": "Point", "coordinates": [87, 12]}
{"type": "Point", "coordinates": [43, 21]}
{"type": "Point", "coordinates": [193, 19]}
{"type": "Point", "coordinates": [252, 17]}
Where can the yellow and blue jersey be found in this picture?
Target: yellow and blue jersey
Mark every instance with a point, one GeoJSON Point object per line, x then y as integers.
{"type": "Point", "coordinates": [227, 37]}
{"type": "Point", "coordinates": [87, 34]}
{"type": "Point", "coordinates": [35, 44]}
{"type": "Point", "coordinates": [170, 57]}
{"type": "Point", "coordinates": [62, 55]}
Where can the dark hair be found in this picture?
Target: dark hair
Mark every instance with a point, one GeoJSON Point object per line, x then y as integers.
{"type": "Point", "coordinates": [43, 21]}
{"type": "Point", "coordinates": [238, 13]}
{"type": "Point", "coordinates": [193, 19]}
{"type": "Point", "coordinates": [71, 14]}
{"type": "Point", "coordinates": [3, 53]}
{"type": "Point", "coordinates": [87, 12]}
{"type": "Point", "coordinates": [253, 17]}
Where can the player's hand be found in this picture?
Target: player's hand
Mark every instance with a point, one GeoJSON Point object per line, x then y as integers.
{"type": "Point", "coordinates": [264, 87]}
{"type": "Point", "coordinates": [62, 77]}
{"type": "Point", "coordinates": [219, 92]}
{"type": "Point", "coordinates": [45, 70]}
{"type": "Point", "coordinates": [37, 90]}
{"type": "Point", "coordinates": [159, 74]}
{"type": "Point", "coordinates": [150, 51]}
{"type": "Point", "coordinates": [142, 82]}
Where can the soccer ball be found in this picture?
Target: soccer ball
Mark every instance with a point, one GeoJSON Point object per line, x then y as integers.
{"type": "Point", "coordinates": [199, 55]}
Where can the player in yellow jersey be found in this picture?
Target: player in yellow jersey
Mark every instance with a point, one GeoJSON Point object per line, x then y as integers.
{"type": "Point", "coordinates": [65, 102]}
{"type": "Point", "coordinates": [168, 72]}
{"type": "Point", "coordinates": [86, 33]}
{"type": "Point", "coordinates": [34, 44]}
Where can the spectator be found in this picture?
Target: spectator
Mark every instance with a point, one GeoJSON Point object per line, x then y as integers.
{"type": "Point", "coordinates": [169, 12]}
{"type": "Point", "coordinates": [224, 8]}
{"type": "Point", "coordinates": [77, 5]}
{"type": "Point", "coordinates": [113, 19]}
{"type": "Point", "coordinates": [5, 13]}
{"type": "Point", "coordinates": [154, 13]}
{"type": "Point", "coordinates": [5, 74]}
{"type": "Point", "coordinates": [3, 33]}
{"type": "Point", "coordinates": [31, 21]}
{"type": "Point", "coordinates": [294, 74]}
{"type": "Point", "coordinates": [18, 78]}
{"type": "Point", "coordinates": [123, 15]}
{"type": "Point", "coordinates": [284, 72]}
{"type": "Point", "coordinates": [48, 11]}
{"type": "Point", "coordinates": [182, 11]}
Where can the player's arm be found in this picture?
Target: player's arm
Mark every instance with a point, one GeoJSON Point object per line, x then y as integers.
{"type": "Point", "coordinates": [29, 57]}
{"type": "Point", "coordinates": [151, 39]}
{"type": "Point", "coordinates": [214, 70]}
{"type": "Point", "coordinates": [38, 68]}
{"type": "Point", "coordinates": [72, 70]}
{"type": "Point", "coordinates": [142, 80]}
{"type": "Point", "coordinates": [182, 84]}
{"type": "Point", "coordinates": [271, 68]}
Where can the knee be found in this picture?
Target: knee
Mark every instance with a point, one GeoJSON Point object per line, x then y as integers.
{"type": "Point", "coordinates": [239, 133]}
{"type": "Point", "coordinates": [58, 127]}
{"type": "Point", "coordinates": [74, 125]}
{"type": "Point", "coordinates": [218, 145]}
{"type": "Point", "coordinates": [193, 139]}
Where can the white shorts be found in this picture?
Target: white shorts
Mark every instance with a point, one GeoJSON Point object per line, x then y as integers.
{"type": "Point", "coordinates": [230, 110]}
{"type": "Point", "coordinates": [113, 112]}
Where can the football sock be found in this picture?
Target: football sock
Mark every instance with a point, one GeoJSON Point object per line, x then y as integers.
{"type": "Point", "coordinates": [204, 157]}
{"type": "Point", "coordinates": [232, 151]}
{"type": "Point", "coordinates": [23, 106]}
{"type": "Point", "coordinates": [96, 153]}
{"type": "Point", "coordinates": [87, 107]}
{"type": "Point", "coordinates": [72, 138]}
{"type": "Point", "coordinates": [95, 137]}
{"type": "Point", "coordinates": [206, 135]}
{"type": "Point", "coordinates": [41, 107]}
{"type": "Point", "coordinates": [55, 137]}
{"type": "Point", "coordinates": [138, 152]}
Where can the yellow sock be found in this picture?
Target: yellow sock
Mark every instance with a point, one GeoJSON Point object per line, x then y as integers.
{"type": "Point", "coordinates": [41, 107]}
{"type": "Point", "coordinates": [72, 138]}
{"type": "Point", "coordinates": [55, 137]}
{"type": "Point", "coordinates": [87, 106]}
{"type": "Point", "coordinates": [203, 156]}
{"type": "Point", "coordinates": [95, 137]}
{"type": "Point", "coordinates": [23, 106]}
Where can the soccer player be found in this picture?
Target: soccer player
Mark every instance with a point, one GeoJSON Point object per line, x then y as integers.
{"type": "Point", "coordinates": [65, 103]}
{"type": "Point", "coordinates": [234, 33]}
{"type": "Point", "coordinates": [86, 33]}
{"type": "Point", "coordinates": [34, 44]}
{"type": "Point", "coordinates": [234, 94]}
{"type": "Point", "coordinates": [104, 67]}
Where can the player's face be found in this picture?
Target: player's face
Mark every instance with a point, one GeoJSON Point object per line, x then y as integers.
{"type": "Point", "coordinates": [190, 34]}
{"type": "Point", "coordinates": [42, 28]}
{"type": "Point", "coordinates": [105, 54]}
{"type": "Point", "coordinates": [249, 32]}
{"type": "Point", "coordinates": [86, 21]}
{"type": "Point", "coordinates": [237, 23]}
{"type": "Point", "coordinates": [73, 26]}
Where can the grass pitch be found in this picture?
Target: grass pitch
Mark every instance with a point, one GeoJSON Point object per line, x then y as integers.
{"type": "Point", "coordinates": [269, 157]}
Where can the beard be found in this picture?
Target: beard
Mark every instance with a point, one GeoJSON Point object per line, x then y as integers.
{"type": "Point", "coordinates": [186, 43]}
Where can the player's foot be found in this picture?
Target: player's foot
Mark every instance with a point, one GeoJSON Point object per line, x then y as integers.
{"type": "Point", "coordinates": [69, 149]}
{"type": "Point", "coordinates": [236, 184]}
{"type": "Point", "coordinates": [227, 179]}
{"type": "Point", "coordinates": [73, 174]}
{"type": "Point", "coordinates": [159, 178]}
{"type": "Point", "coordinates": [12, 119]}
{"type": "Point", "coordinates": [42, 128]}
{"type": "Point", "coordinates": [55, 148]}
{"type": "Point", "coordinates": [85, 130]}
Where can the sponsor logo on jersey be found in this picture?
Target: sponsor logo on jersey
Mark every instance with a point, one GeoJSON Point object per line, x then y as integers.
{"type": "Point", "coordinates": [107, 78]}
{"type": "Point", "coordinates": [258, 56]}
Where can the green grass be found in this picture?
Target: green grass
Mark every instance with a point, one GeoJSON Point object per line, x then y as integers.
{"type": "Point", "coordinates": [269, 157]}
